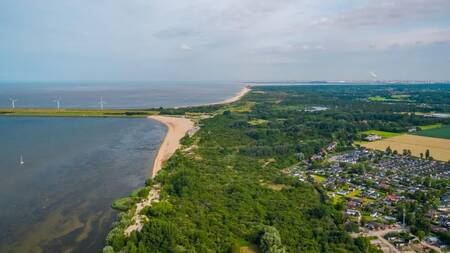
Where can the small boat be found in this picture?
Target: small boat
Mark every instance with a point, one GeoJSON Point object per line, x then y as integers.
{"type": "Point", "coordinates": [21, 160]}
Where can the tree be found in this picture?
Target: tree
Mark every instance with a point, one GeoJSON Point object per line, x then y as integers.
{"type": "Point", "coordinates": [108, 249]}
{"type": "Point", "coordinates": [389, 150]}
{"type": "Point", "coordinates": [421, 234]}
{"type": "Point", "coordinates": [270, 241]}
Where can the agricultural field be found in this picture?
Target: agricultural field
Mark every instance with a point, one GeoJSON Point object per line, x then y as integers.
{"type": "Point", "coordinates": [439, 148]}
{"type": "Point", "coordinates": [383, 134]}
{"type": "Point", "coordinates": [428, 127]}
{"type": "Point", "coordinates": [393, 98]}
{"type": "Point", "coordinates": [437, 132]}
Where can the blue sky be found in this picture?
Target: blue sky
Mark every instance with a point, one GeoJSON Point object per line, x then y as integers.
{"type": "Point", "coordinates": [54, 40]}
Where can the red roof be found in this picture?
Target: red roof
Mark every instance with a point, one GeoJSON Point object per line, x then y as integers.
{"type": "Point", "coordinates": [392, 197]}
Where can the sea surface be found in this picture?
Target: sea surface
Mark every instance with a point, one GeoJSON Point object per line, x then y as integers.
{"type": "Point", "coordinates": [59, 200]}
{"type": "Point", "coordinates": [115, 95]}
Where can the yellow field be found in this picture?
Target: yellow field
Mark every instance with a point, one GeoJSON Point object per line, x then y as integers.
{"type": "Point", "coordinates": [439, 148]}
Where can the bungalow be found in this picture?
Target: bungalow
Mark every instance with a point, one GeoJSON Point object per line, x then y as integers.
{"type": "Point", "coordinates": [373, 137]}
{"type": "Point", "coordinates": [353, 212]}
{"type": "Point", "coordinates": [392, 198]}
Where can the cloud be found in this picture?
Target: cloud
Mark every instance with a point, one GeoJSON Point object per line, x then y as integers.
{"type": "Point", "coordinates": [185, 47]}
{"type": "Point", "coordinates": [392, 12]}
{"type": "Point", "coordinates": [238, 35]}
{"type": "Point", "coordinates": [419, 37]}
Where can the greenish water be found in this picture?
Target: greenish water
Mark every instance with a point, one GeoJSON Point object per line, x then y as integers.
{"type": "Point", "coordinates": [59, 200]}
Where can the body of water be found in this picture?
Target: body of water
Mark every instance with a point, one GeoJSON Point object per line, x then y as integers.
{"type": "Point", "coordinates": [116, 95]}
{"type": "Point", "coordinates": [59, 199]}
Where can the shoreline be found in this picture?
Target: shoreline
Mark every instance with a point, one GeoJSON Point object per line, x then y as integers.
{"type": "Point", "coordinates": [242, 92]}
{"type": "Point", "coordinates": [177, 128]}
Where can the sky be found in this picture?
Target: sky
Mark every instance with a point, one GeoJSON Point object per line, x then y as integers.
{"type": "Point", "coordinates": [245, 40]}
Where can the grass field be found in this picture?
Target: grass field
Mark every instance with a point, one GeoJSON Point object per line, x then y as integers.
{"type": "Point", "coordinates": [393, 98]}
{"type": "Point", "coordinates": [428, 127]}
{"type": "Point", "coordinates": [75, 112]}
{"type": "Point", "coordinates": [256, 122]}
{"type": "Point", "coordinates": [439, 148]}
{"type": "Point", "coordinates": [437, 132]}
{"type": "Point", "coordinates": [380, 133]}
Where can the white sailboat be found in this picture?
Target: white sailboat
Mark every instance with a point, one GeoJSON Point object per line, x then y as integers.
{"type": "Point", "coordinates": [21, 160]}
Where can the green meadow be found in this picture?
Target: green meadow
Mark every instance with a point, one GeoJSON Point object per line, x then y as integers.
{"type": "Point", "coordinates": [75, 112]}
{"type": "Point", "coordinates": [437, 132]}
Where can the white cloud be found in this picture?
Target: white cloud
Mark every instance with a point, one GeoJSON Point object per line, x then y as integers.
{"type": "Point", "coordinates": [414, 38]}
{"type": "Point", "coordinates": [185, 47]}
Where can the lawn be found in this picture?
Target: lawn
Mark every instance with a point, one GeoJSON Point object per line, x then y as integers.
{"type": "Point", "coordinates": [428, 127]}
{"type": "Point", "coordinates": [256, 122]}
{"type": "Point", "coordinates": [383, 134]}
{"type": "Point", "coordinates": [319, 179]}
{"type": "Point", "coordinates": [436, 132]}
{"type": "Point", "coordinates": [393, 98]}
{"type": "Point", "coordinates": [76, 112]}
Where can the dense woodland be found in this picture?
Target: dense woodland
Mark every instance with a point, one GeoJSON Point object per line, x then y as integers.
{"type": "Point", "coordinates": [227, 187]}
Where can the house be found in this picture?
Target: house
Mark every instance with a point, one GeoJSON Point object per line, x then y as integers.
{"type": "Point", "coordinates": [372, 137]}
{"type": "Point", "coordinates": [353, 212]}
{"type": "Point", "coordinates": [392, 198]}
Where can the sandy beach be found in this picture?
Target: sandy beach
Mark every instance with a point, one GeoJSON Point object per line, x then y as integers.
{"type": "Point", "coordinates": [238, 96]}
{"type": "Point", "coordinates": [242, 92]}
{"type": "Point", "coordinates": [176, 129]}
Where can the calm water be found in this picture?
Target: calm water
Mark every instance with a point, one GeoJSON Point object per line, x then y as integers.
{"type": "Point", "coordinates": [59, 200]}
{"type": "Point", "coordinates": [74, 168]}
{"type": "Point", "coordinates": [116, 95]}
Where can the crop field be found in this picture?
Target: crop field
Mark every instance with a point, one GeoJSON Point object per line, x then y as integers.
{"type": "Point", "coordinates": [438, 132]}
{"type": "Point", "coordinates": [439, 148]}
{"type": "Point", "coordinates": [428, 127]}
{"type": "Point", "coordinates": [76, 112]}
{"type": "Point", "coordinates": [383, 134]}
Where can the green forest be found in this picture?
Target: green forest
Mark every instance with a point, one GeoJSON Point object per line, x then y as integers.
{"type": "Point", "coordinates": [227, 187]}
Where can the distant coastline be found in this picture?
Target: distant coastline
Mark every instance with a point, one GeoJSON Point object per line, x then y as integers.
{"type": "Point", "coordinates": [177, 128]}
{"type": "Point", "coordinates": [242, 92]}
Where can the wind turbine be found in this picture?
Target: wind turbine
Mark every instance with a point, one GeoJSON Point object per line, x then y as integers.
{"type": "Point", "coordinates": [13, 102]}
{"type": "Point", "coordinates": [102, 103]}
{"type": "Point", "coordinates": [58, 103]}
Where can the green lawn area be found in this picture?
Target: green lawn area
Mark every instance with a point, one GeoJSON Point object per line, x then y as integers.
{"type": "Point", "coordinates": [393, 98]}
{"type": "Point", "coordinates": [242, 107]}
{"type": "Point", "coordinates": [428, 127]}
{"type": "Point", "coordinates": [377, 99]}
{"type": "Point", "coordinates": [383, 134]}
{"type": "Point", "coordinates": [123, 204]}
{"type": "Point", "coordinates": [319, 179]}
{"type": "Point", "coordinates": [440, 132]}
{"type": "Point", "coordinates": [76, 112]}
{"type": "Point", "coordinates": [256, 122]}
{"type": "Point", "coordinates": [354, 193]}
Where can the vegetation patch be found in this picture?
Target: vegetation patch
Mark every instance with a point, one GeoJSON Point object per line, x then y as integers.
{"type": "Point", "coordinates": [383, 134]}
{"type": "Point", "coordinates": [123, 204]}
{"type": "Point", "coordinates": [256, 122]}
{"type": "Point", "coordinates": [392, 98]}
{"type": "Point", "coordinates": [437, 132]}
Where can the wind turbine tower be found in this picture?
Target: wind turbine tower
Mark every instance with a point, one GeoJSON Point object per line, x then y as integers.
{"type": "Point", "coordinates": [13, 102]}
{"type": "Point", "coordinates": [58, 103]}
{"type": "Point", "coordinates": [102, 103]}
